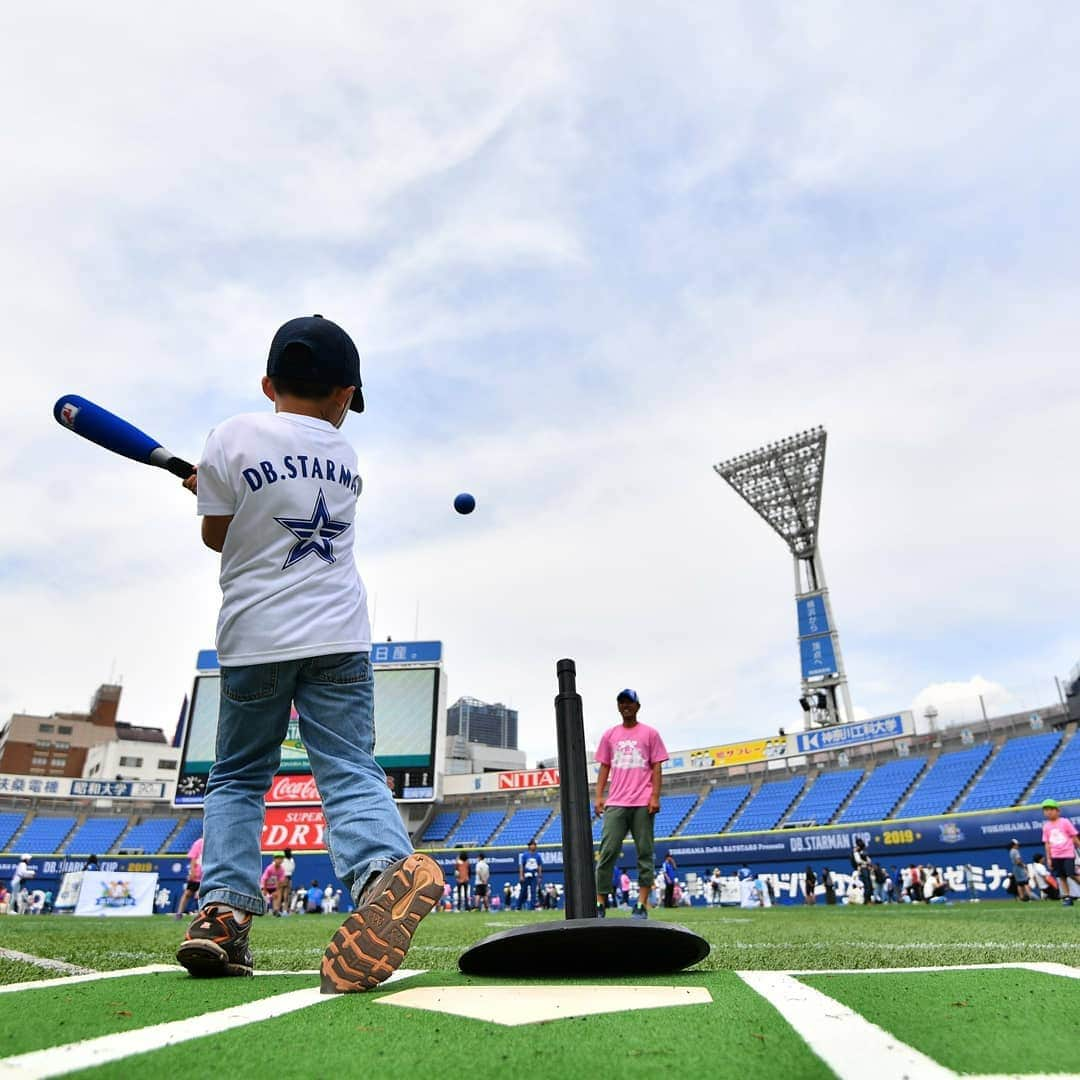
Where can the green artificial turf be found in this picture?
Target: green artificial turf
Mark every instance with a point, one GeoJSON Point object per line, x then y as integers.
{"type": "Point", "coordinates": [779, 938]}
{"type": "Point", "coordinates": [37, 1018]}
{"type": "Point", "coordinates": [738, 1034]}
{"type": "Point", "coordinates": [1007, 1021]}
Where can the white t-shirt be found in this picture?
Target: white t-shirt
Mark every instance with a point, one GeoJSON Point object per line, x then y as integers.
{"type": "Point", "coordinates": [22, 872]}
{"type": "Point", "coordinates": [289, 866]}
{"type": "Point", "coordinates": [289, 583]}
{"type": "Point", "coordinates": [483, 872]}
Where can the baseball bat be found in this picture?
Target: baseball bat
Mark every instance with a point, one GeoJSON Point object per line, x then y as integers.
{"type": "Point", "coordinates": [109, 431]}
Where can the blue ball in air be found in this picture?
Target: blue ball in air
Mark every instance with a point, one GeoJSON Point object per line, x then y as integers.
{"type": "Point", "coordinates": [464, 503]}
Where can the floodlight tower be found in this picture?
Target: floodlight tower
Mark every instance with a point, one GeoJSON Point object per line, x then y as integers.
{"type": "Point", "coordinates": [782, 483]}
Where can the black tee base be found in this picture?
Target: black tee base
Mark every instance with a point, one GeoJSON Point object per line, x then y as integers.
{"type": "Point", "coordinates": [586, 947]}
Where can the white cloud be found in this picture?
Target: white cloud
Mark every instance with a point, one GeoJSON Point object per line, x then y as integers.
{"type": "Point", "coordinates": [585, 256]}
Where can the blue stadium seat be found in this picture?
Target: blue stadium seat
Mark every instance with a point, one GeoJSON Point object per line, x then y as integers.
{"type": "Point", "coordinates": [826, 794]}
{"type": "Point", "coordinates": [673, 808]}
{"type": "Point", "coordinates": [476, 829]}
{"type": "Point", "coordinates": [522, 827]}
{"type": "Point", "coordinates": [712, 816]}
{"type": "Point", "coordinates": [96, 835]}
{"type": "Point", "coordinates": [9, 826]}
{"type": "Point", "coordinates": [440, 825]}
{"type": "Point", "coordinates": [149, 835]}
{"type": "Point", "coordinates": [44, 835]}
{"type": "Point", "coordinates": [1062, 779]}
{"type": "Point", "coordinates": [769, 805]}
{"type": "Point", "coordinates": [884, 788]}
{"type": "Point", "coordinates": [940, 787]}
{"type": "Point", "coordinates": [553, 833]}
{"type": "Point", "coordinates": [189, 832]}
{"type": "Point", "coordinates": [1013, 768]}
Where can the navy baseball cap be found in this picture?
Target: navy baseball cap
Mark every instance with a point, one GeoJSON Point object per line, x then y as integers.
{"type": "Point", "coordinates": [631, 695]}
{"type": "Point", "coordinates": [318, 350]}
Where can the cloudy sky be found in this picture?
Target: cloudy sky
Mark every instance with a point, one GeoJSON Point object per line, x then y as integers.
{"type": "Point", "coordinates": [585, 255]}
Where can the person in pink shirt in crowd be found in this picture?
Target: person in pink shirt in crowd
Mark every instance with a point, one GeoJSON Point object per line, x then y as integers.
{"type": "Point", "coordinates": [273, 877]}
{"type": "Point", "coordinates": [630, 755]}
{"type": "Point", "coordinates": [194, 878]}
{"type": "Point", "coordinates": [1062, 842]}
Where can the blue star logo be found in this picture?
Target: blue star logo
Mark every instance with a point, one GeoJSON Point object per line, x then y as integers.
{"type": "Point", "coordinates": [314, 535]}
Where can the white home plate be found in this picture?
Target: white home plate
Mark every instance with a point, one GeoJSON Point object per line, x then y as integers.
{"type": "Point", "coordinates": [513, 1005]}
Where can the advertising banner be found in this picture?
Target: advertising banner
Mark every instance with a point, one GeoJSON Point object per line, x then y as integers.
{"type": "Point", "coordinates": [515, 781]}
{"type": "Point", "coordinates": [812, 617]}
{"type": "Point", "coordinates": [112, 894]}
{"type": "Point", "coordinates": [818, 656]}
{"type": "Point", "coordinates": [301, 830]}
{"type": "Point", "coordinates": [68, 894]}
{"type": "Point", "coordinates": [289, 790]}
{"type": "Point", "coordinates": [840, 736]}
{"type": "Point", "coordinates": [73, 787]}
{"type": "Point", "coordinates": [740, 753]}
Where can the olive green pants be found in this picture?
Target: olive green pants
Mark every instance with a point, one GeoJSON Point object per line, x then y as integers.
{"type": "Point", "coordinates": [618, 820]}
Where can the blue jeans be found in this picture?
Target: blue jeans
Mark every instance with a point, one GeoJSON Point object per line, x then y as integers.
{"type": "Point", "coordinates": [335, 697]}
{"type": "Point", "coordinates": [528, 893]}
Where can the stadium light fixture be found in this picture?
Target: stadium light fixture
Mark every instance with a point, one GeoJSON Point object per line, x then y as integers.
{"type": "Point", "coordinates": [781, 482]}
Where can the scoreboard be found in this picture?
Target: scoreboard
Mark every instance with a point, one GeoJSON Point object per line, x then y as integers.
{"type": "Point", "coordinates": [410, 721]}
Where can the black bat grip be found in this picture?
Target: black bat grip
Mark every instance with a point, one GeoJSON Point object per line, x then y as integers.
{"type": "Point", "coordinates": [179, 467]}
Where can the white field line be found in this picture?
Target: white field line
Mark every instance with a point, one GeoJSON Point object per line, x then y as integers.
{"type": "Point", "coordinates": [906, 946]}
{"type": "Point", "coordinates": [1029, 965]}
{"type": "Point", "coordinates": [87, 1053]}
{"type": "Point", "coordinates": [57, 1060]}
{"type": "Point", "coordinates": [38, 984]}
{"type": "Point", "coordinates": [845, 1041]}
{"type": "Point", "coordinates": [44, 962]}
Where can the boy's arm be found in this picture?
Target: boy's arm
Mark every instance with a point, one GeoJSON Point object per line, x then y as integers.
{"type": "Point", "coordinates": [601, 783]}
{"type": "Point", "coordinates": [214, 530]}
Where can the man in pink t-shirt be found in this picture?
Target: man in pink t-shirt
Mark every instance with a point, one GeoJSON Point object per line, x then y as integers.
{"type": "Point", "coordinates": [1061, 840]}
{"type": "Point", "coordinates": [630, 755]}
{"type": "Point", "coordinates": [194, 877]}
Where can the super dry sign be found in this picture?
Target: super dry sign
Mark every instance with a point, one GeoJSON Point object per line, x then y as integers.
{"type": "Point", "coordinates": [301, 830]}
{"type": "Point", "coordinates": [515, 781]}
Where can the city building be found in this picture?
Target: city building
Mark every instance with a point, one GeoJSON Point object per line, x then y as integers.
{"type": "Point", "coordinates": [478, 722]}
{"type": "Point", "coordinates": [482, 738]}
{"type": "Point", "coordinates": [59, 744]}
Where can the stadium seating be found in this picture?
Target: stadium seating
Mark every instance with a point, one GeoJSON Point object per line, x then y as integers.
{"type": "Point", "coordinates": [9, 826]}
{"type": "Point", "coordinates": [828, 791]}
{"type": "Point", "coordinates": [440, 825]}
{"type": "Point", "coordinates": [552, 833]}
{"type": "Point", "coordinates": [716, 811]}
{"type": "Point", "coordinates": [189, 832]}
{"type": "Point", "coordinates": [476, 829]}
{"type": "Point", "coordinates": [521, 827]}
{"type": "Point", "coordinates": [1011, 771]}
{"type": "Point", "coordinates": [149, 835]}
{"type": "Point", "coordinates": [1062, 779]}
{"type": "Point", "coordinates": [44, 835]}
{"type": "Point", "coordinates": [96, 835]}
{"type": "Point", "coordinates": [884, 788]}
{"type": "Point", "coordinates": [673, 808]}
{"type": "Point", "coordinates": [769, 805]}
{"type": "Point", "coordinates": [943, 782]}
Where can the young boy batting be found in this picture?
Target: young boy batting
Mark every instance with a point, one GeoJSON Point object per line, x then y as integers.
{"type": "Point", "coordinates": [277, 495]}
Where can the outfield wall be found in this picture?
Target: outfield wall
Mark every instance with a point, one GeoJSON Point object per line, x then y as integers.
{"type": "Point", "coordinates": [952, 842]}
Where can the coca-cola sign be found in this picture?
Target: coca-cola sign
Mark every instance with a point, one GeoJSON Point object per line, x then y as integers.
{"type": "Point", "coordinates": [297, 790]}
{"type": "Point", "coordinates": [300, 830]}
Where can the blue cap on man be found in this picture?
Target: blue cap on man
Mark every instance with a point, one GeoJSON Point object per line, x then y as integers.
{"type": "Point", "coordinates": [629, 695]}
